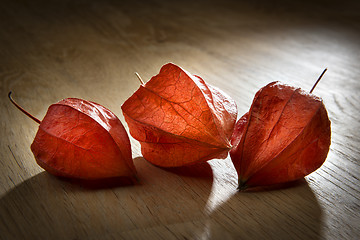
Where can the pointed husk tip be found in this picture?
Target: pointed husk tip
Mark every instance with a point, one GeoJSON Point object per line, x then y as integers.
{"type": "Point", "coordinates": [242, 185]}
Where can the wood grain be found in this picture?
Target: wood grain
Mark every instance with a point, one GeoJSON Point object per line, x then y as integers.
{"type": "Point", "coordinates": [50, 50]}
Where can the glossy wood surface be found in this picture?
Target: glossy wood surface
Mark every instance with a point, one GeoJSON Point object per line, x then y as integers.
{"type": "Point", "coordinates": [50, 50]}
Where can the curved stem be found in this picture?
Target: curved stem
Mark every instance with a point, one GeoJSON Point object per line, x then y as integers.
{"type": "Point", "coordinates": [23, 110]}
{"type": "Point", "coordinates": [317, 81]}
{"type": "Point", "coordinates": [140, 79]}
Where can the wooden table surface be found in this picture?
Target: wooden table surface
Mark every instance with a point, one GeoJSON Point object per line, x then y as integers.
{"type": "Point", "coordinates": [50, 50]}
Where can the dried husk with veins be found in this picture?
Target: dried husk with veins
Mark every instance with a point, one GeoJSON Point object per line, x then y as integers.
{"type": "Point", "coordinates": [284, 136]}
{"type": "Point", "coordinates": [81, 139]}
{"type": "Point", "coordinates": [179, 119]}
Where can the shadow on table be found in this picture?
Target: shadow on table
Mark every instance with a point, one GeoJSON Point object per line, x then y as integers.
{"type": "Point", "coordinates": [46, 207]}
{"type": "Point", "coordinates": [287, 212]}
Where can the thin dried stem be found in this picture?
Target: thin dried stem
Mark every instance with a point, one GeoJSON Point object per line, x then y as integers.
{"type": "Point", "coordinates": [140, 79]}
{"type": "Point", "coordinates": [317, 81]}
{"type": "Point", "coordinates": [23, 110]}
